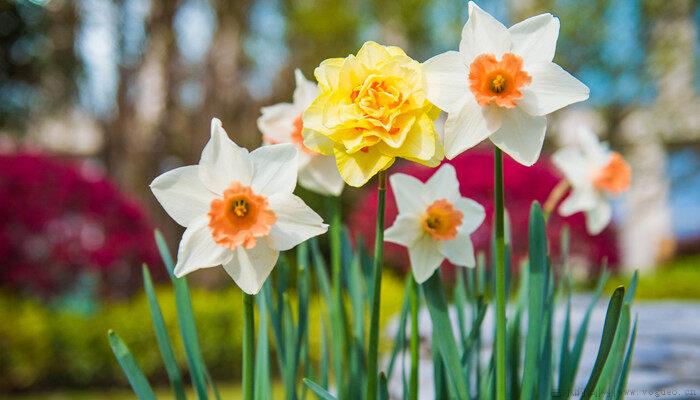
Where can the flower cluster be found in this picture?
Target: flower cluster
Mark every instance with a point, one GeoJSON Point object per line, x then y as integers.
{"type": "Point", "coordinates": [367, 110]}
{"type": "Point", "coordinates": [525, 185]}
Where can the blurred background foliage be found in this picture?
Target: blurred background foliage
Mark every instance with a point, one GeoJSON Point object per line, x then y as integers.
{"type": "Point", "coordinates": [48, 347]}
{"type": "Point", "coordinates": [107, 94]}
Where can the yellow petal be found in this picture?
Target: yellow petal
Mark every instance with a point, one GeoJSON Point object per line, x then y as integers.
{"type": "Point", "coordinates": [395, 51]}
{"type": "Point", "coordinates": [373, 54]}
{"type": "Point", "coordinates": [312, 118]}
{"type": "Point", "coordinates": [420, 143]}
{"type": "Point", "coordinates": [327, 73]}
{"type": "Point", "coordinates": [317, 141]}
{"type": "Point", "coordinates": [357, 168]}
{"type": "Point", "coordinates": [435, 160]}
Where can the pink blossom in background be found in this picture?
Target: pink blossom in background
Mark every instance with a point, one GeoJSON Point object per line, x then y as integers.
{"type": "Point", "coordinates": [523, 185]}
{"type": "Point", "coordinates": [60, 219]}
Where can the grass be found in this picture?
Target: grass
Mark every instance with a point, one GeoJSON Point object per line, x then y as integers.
{"type": "Point", "coordinates": [677, 280]}
{"type": "Point", "coordinates": [228, 391]}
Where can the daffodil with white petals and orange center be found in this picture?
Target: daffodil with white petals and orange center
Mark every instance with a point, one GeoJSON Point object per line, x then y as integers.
{"type": "Point", "coordinates": [371, 109]}
{"type": "Point", "coordinates": [282, 123]}
{"type": "Point", "coordinates": [238, 209]}
{"type": "Point", "coordinates": [434, 221]}
{"type": "Point", "coordinates": [595, 174]}
{"type": "Point", "coordinates": [501, 84]}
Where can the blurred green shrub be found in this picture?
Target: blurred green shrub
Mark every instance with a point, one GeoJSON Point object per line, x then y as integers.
{"type": "Point", "coordinates": [42, 347]}
{"type": "Point", "coordinates": [677, 280]}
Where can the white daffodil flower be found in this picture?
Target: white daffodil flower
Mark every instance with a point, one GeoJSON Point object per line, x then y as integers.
{"type": "Point", "coordinates": [501, 84]}
{"type": "Point", "coordinates": [434, 221]}
{"type": "Point", "coordinates": [282, 123]}
{"type": "Point", "coordinates": [238, 209]}
{"type": "Point", "coordinates": [595, 174]}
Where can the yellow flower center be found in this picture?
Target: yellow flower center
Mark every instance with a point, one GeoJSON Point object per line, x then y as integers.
{"type": "Point", "coordinates": [441, 220]}
{"type": "Point", "coordinates": [239, 217]}
{"type": "Point", "coordinates": [240, 208]}
{"type": "Point", "coordinates": [498, 82]}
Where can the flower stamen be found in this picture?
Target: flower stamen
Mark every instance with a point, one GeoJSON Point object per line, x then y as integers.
{"type": "Point", "coordinates": [240, 217]}
{"type": "Point", "coordinates": [441, 220]}
{"type": "Point", "coordinates": [498, 82]}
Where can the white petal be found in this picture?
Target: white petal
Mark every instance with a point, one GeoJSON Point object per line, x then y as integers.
{"type": "Point", "coordinates": [183, 196]}
{"type": "Point", "coordinates": [467, 127]}
{"type": "Point", "coordinates": [473, 214]}
{"type": "Point", "coordinates": [576, 168]}
{"type": "Point", "coordinates": [277, 122]}
{"type": "Point", "coordinates": [405, 231]}
{"type": "Point", "coordinates": [598, 217]}
{"type": "Point", "coordinates": [305, 91]}
{"type": "Point", "coordinates": [447, 77]}
{"type": "Point", "coordinates": [321, 175]}
{"type": "Point", "coordinates": [409, 194]}
{"type": "Point", "coordinates": [535, 39]}
{"type": "Point", "coordinates": [250, 268]}
{"type": "Point", "coordinates": [425, 258]}
{"type": "Point", "coordinates": [483, 34]}
{"type": "Point", "coordinates": [443, 184]}
{"type": "Point", "coordinates": [295, 223]}
{"type": "Point", "coordinates": [596, 153]}
{"type": "Point", "coordinates": [580, 199]}
{"type": "Point", "coordinates": [198, 250]}
{"type": "Point", "coordinates": [223, 161]}
{"type": "Point", "coordinates": [275, 169]}
{"type": "Point", "coordinates": [521, 136]}
{"type": "Point", "coordinates": [551, 89]}
{"type": "Point", "coordinates": [460, 250]}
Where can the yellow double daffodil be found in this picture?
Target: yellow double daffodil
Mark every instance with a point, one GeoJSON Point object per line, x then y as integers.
{"type": "Point", "coordinates": [372, 108]}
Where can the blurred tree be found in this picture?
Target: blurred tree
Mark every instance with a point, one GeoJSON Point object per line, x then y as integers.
{"type": "Point", "coordinates": [38, 67]}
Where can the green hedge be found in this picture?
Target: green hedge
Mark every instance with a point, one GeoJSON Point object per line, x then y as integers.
{"type": "Point", "coordinates": [43, 347]}
{"type": "Point", "coordinates": [677, 280]}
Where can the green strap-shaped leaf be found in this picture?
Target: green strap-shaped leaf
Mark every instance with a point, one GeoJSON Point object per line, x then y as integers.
{"type": "Point", "coordinates": [460, 300]}
{"type": "Point", "coordinates": [514, 354]}
{"type": "Point", "coordinates": [383, 390]}
{"type": "Point", "coordinates": [319, 264]}
{"type": "Point", "coordinates": [324, 360]}
{"type": "Point", "coordinates": [133, 373]}
{"type": "Point", "coordinates": [188, 329]}
{"type": "Point", "coordinates": [162, 338]}
{"type": "Point", "coordinates": [617, 352]}
{"type": "Point", "coordinates": [358, 295]}
{"type": "Point", "coordinates": [537, 287]}
{"type": "Point", "coordinates": [400, 338]}
{"type": "Point", "coordinates": [571, 368]}
{"type": "Point", "coordinates": [263, 384]}
{"type": "Point", "coordinates": [442, 330]}
{"type": "Point", "coordinates": [632, 288]}
{"type": "Point", "coordinates": [621, 383]}
{"type": "Point", "coordinates": [289, 372]}
{"type": "Point", "coordinates": [612, 319]}
{"type": "Point", "coordinates": [320, 392]}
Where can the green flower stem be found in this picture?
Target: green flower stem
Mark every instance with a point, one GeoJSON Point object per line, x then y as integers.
{"type": "Point", "coordinates": [248, 345]}
{"type": "Point", "coordinates": [339, 331]}
{"type": "Point", "coordinates": [500, 277]}
{"type": "Point", "coordinates": [415, 343]}
{"type": "Point", "coordinates": [377, 289]}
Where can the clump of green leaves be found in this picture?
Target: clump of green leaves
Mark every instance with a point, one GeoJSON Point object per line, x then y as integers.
{"type": "Point", "coordinates": [540, 366]}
